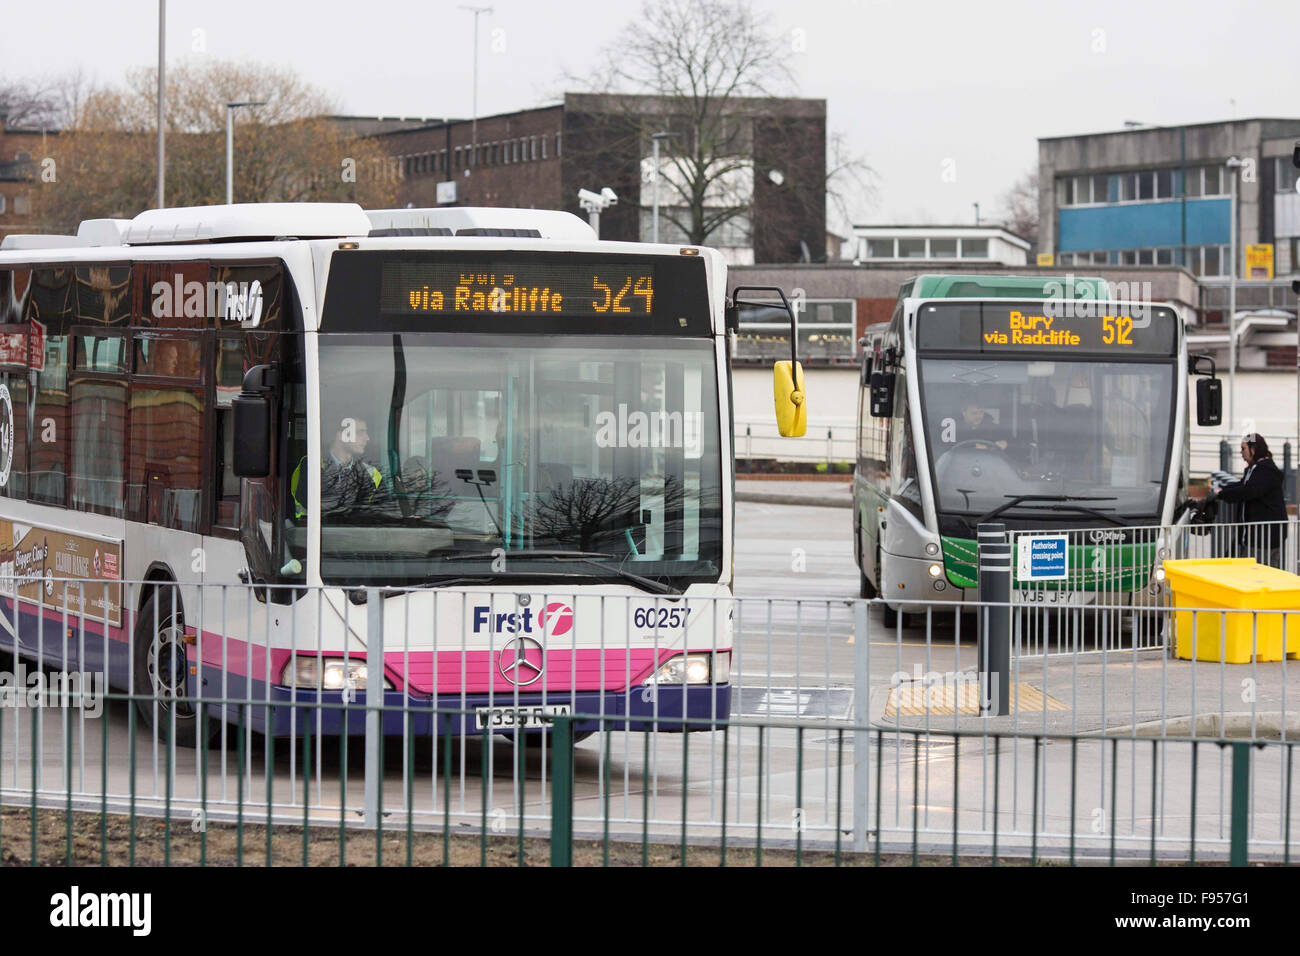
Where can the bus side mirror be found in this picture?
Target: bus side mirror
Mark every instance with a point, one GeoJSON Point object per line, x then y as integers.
{"type": "Point", "coordinates": [866, 370]}
{"type": "Point", "coordinates": [1209, 401]}
{"type": "Point", "coordinates": [791, 410]}
{"type": "Point", "coordinates": [882, 394]}
{"type": "Point", "coordinates": [252, 423]}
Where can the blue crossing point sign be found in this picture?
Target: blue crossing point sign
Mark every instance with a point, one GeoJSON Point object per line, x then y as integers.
{"type": "Point", "coordinates": [1043, 557]}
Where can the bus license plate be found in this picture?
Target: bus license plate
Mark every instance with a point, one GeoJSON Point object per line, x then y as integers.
{"type": "Point", "coordinates": [522, 718]}
{"type": "Point", "coordinates": [1043, 596]}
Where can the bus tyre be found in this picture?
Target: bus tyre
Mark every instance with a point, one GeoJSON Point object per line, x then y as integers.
{"type": "Point", "coordinates": [866, 590]}
{"type": "Point", "coordinates": [160, 671]}
{"type": "Point", "coordinates": [888, 616]}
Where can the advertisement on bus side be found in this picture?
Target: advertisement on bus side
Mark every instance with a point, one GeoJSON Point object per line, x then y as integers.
{"type": "Point", "coordinates": [61, 570]}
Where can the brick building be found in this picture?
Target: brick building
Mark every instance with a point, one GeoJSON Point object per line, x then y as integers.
{"type": "Point", "coordinates": [540, 158]}
{"type": "Point", "coordinates": [21, 151]}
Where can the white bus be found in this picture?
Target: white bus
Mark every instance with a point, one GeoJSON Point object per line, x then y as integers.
{"type": "Point", "coordinates": [522, 430]}
{"type": "Point", "coordinates": [1040, 402]}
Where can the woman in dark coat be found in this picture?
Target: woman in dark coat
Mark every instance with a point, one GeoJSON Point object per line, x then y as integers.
{"type": "Point", "coordinates": [1260, 492]}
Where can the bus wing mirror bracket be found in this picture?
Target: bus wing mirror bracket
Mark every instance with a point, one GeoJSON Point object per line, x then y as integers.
{"type": "Point", "coordinates": [788, 379]}
{"type": "Point", "coordinates": [1209, 391]}
{"type": "Point", "coordinates": [252, 422]}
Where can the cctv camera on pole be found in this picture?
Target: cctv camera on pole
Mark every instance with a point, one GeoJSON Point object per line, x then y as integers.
{"type": "Point", "coordinates": [596, 203]}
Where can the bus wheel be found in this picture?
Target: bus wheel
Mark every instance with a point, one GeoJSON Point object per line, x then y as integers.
{"type": "Point", "coordinates": [888, 616]}
{"type": "Point", "coordinates": [161, 672]}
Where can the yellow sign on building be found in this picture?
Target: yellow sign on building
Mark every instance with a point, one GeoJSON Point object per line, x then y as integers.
{"type": "Point", "coordinates": [1046, 259]}
{"type": "Point", "coordinates": [1259, 260]}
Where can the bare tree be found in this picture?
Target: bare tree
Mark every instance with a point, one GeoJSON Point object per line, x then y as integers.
{"type": "Point", "coordinates": [288, 150]}
{"type": "Point", "coordinates": [1020, 208]}
{"type": "Point", "coordinates": [44, 102]}
{"type": "Point", "coordinates": [707, 71]}
{"type": "Point", "coordinates": [697, 60]}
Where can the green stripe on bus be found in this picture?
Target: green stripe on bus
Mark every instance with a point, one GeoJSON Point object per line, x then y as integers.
{"type": "Point", "coordinates": [1093, 567]}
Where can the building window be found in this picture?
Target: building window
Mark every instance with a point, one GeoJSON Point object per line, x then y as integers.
{"type": "Point", "coordinates": [557, 144]}
{"type": "Point", "coordinates": [1214, 181]}
{"type": "Point", "coordinates": [532, 147]}
{"type": "Point", "coordinates": [826, 334]}
{"type": "Point", "coordinates": [974, 248]}
{"type": "Point", "coordinates": [880, 249]}
{"type": "Point", "coordinates": [1164, 184]}
{"type": "Point", "coordinates": [1284, 174]}
{"type": "Point", "coordinates": [3, 202]}
{"type": "Point", "coordinates": [911, 248]}
{"type": "Point", "coordinates": [543, 142]}
{"type": "Point", "coordinates": [943, 248]}
{"type": "Point", "coordinates": [22, 205]}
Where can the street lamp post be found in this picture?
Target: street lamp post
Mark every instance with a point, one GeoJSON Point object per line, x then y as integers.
{"type": "Point", "coordinates": [162, 80]}
{"type": "Point", "coordinates": [1233, 164]}
{"type": "Point", "coordinates": [230, 144]}
{"type": "Point", "coordinates": [654, 216]}
{"type": "Point", "coordinates": [473, 135]}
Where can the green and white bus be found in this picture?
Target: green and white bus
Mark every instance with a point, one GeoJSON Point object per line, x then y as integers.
{"type": "Point", "coordinates": [1038, 402]}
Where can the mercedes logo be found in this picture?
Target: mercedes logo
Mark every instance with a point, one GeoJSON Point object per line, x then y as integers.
{"type": "Point", "coordinates": [522, 661]}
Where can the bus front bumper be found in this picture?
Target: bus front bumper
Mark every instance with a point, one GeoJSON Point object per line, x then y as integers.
{"type": "Point", "coordinates": [285, 712]}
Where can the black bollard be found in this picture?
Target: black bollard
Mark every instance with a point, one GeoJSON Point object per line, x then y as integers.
{"type": "Point", "coordinates": [994, 649]}
{"type": "Point", "coordinates": [1225, 456]}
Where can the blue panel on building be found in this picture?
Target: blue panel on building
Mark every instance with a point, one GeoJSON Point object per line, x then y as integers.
{"type": "Point", "coordinates": [1143, 225]}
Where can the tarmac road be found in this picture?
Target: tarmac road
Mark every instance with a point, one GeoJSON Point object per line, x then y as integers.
{"type": "Point", "coordinates": [794, 658]}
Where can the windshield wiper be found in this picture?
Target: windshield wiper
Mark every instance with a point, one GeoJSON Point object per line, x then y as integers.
{"type": "Point", "coordinates": [1081, 509]}
{"type": "Point", "coordinates": [586, 557]}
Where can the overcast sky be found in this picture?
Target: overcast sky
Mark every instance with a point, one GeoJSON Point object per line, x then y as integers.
{"type": "Point", "coordinates": [920, 89]}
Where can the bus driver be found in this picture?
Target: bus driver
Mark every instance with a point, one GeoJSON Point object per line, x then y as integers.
{"type": "Point", "coordinates": [347, 481]}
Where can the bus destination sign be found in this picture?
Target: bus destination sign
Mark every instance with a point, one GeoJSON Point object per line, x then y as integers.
{"type": "Point", "coordinates": [530, 289]}
{"type": "Point", "coordinates": [1001, 327]}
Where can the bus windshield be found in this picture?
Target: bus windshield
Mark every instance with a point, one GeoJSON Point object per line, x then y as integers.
{"type": "Point", "coordinates": [455, 456]}
{"type": "Point", "coordinates": [1076, 437]}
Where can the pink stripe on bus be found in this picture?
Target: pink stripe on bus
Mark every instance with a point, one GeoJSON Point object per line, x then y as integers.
{"type": "Point", "coordinates": [565, 670]}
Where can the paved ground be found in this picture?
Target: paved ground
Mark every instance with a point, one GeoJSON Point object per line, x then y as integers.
{"type": "Point", "coordinates": [795, 657]}
{"type": "Point", "coordinates": [832, 494]}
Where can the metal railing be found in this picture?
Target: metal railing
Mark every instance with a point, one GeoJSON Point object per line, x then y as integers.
{"type": "Point", "coordinates": [842, 738]}
{"type": "Point", "coordinates": [829, 443]}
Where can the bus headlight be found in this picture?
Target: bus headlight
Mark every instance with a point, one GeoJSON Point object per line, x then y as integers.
{"type": "Point", "coordinates": [694, 669]}
{"type": "Point", "coordinates": [328, 673]}
{"type": "Point", "coordinates": [936, 570]}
